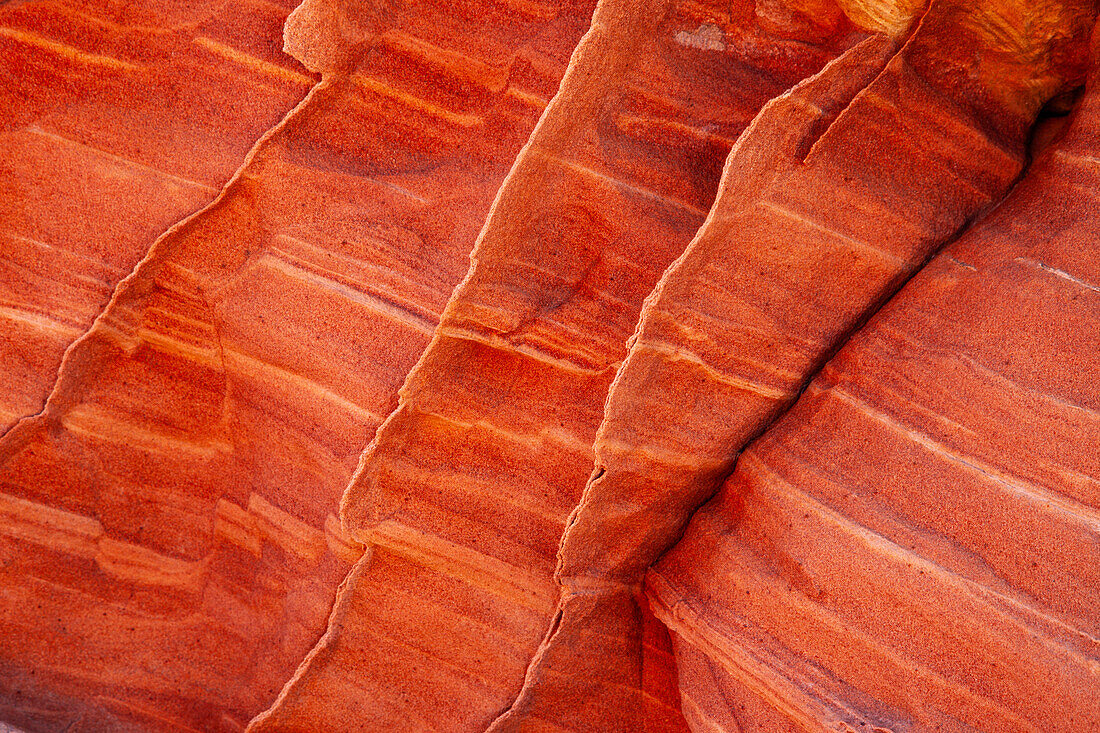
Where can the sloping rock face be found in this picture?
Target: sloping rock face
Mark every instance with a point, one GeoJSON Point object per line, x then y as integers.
{"type": "Point", "coordinates": [465, 491]}
{"type": "Point", "coordinates": [170, 514]}
{"type": "Point", "coordinates": [113, 129]}
{"type": "Point", "coordinates": [811, 230]}
{"type": "Point", "coordinates": [912, 547]}
{"type": "Point", "coordinates": [527, 283]}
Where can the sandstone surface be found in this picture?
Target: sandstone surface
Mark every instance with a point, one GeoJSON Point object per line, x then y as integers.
{"type": "Point", "coordinates": [112, 131]}
{"type": "Point", "coordinates": [839, 191]}
{"type": "Point", "coordinates": [681, 365]}
{"type": "Point", "coordinates": [912, 546]}
{"type": "Point", "coordinates": [171, 549]}
{"type": "Point", "coordinates": [466, 489]}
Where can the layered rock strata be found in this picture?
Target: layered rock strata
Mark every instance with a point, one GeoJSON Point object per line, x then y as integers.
{"type": "Point", "coordinates": [839, 191]}
{"type": "Point", "coordinates": [466, 489]}
{"type": "Point", "coordinates": [112, 130]}
{"type": "Point", "coordinates": [717, 207]}
{"type": "Point", "coordinates": [171, 550]}
{"type": "Point", "coordinates": [912, 547]}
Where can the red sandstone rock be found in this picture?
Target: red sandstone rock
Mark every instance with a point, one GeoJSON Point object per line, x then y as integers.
{"type": "Point", "coordinates": [112, 129]}
{"type": "Point", "coordinates": [913, 546]}
{"type": "Point", "coordinates": [838, 191]}
{"type": "Point", "coordinates": [169, 536]}
{"type": "Point", "coordinates": [466, 489]}
{"type": "Point", "coordinates": [169, 549]}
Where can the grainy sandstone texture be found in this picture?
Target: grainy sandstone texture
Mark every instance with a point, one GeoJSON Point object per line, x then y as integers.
{"type": "Point", "coordinates": [467, 487]}
{"type": "Point", "coordinates": [681, 365]}
{"type": "Point", "coordinates": [839, 191]}
{"type": "Point", "coordinates": [171, 548]}
{"type": "Point", "coordinates": [113, 128]}
{"type": "Point", "coordinates": [912, 547]}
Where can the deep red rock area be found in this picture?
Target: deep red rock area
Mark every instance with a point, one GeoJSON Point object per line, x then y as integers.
{"type": "Point", "coordinates": [550, 365]}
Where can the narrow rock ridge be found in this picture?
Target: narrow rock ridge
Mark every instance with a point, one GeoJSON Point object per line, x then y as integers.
{"type": "Point", "coordinates": [92, 120]}
{"type": "Point", "coordinates": [73, 535]}
{"type": "Point", "coordinates": [325, 647]}
{"type": "Point", "coordinates": [912, 547]}
{"type": "Point", "coordinates": [604, 607]}
{"type": "Point", "coordinates": [785, 269]}
{"type": "Point", "coordinates": [76, 366]}
{"type": "Point", "coordinates": [175, 502]}
{"type": "Point", "coordinates": [578, 236]}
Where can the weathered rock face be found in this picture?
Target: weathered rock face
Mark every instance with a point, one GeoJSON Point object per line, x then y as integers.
{"type": "Point", "coordinates": [913, 545]}
{"type": "Point", "coordinates": [170, 515]}
{"type": "Point", "coordinates": [809, 232]}
{"type": "Point", "coordinates": [113, 129]}
{"type": "Point", "coordinates": [476, 472]}
{"type": "Point", "coordinates": [659, 237]}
